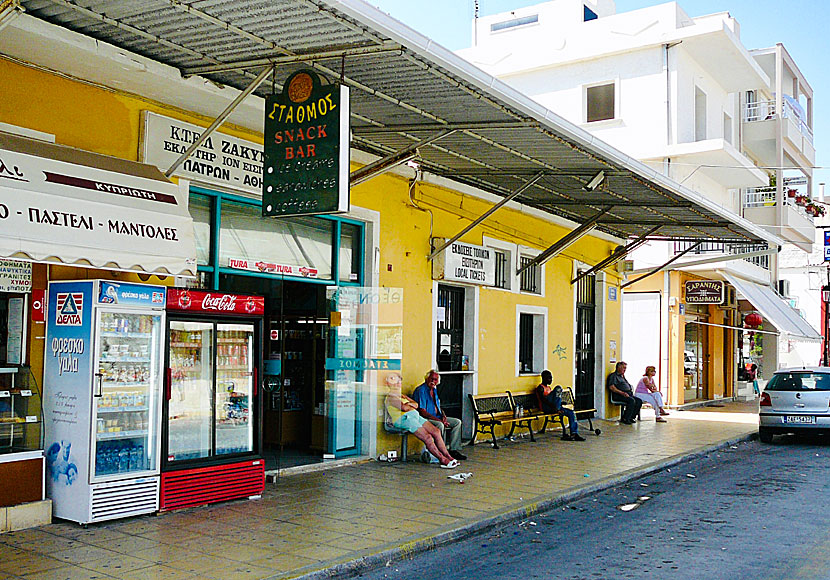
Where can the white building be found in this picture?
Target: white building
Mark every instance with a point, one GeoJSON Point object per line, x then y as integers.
{"type": "Point", "coordinates": [685, 96]}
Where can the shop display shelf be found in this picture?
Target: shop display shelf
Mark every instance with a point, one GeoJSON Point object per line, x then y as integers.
{"type": "Point", "coordinates": [111, 435]}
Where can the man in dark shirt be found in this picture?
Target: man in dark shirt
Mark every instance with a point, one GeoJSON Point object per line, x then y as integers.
{"type": "Point", "coordinates": [429, 406]}
{"type": "Point", "coordinates": [550, 400]}
{"type": "Point", "coordinates": [622, 394]}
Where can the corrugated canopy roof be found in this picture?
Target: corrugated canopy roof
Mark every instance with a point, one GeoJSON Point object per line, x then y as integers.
{"type": "Point", "coordinates": [404, 89]}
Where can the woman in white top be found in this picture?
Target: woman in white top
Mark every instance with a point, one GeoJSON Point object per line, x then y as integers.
{"type": "Point", "coordinates": [649, 392]}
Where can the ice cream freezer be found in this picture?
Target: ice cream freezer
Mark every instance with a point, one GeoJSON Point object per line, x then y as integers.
{"type": "Point", "coordinates": [102, 398]}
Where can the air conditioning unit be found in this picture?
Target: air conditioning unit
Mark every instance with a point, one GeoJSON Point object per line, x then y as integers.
{"type": "Point", "coordinates": [625, 266]}
{"type": "Point", "coordinates": [784, 287]}
{"type": "Point", "coordinates": [730, 298]}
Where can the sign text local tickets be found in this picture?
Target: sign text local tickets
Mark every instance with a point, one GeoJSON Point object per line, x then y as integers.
{"type": "Point", "coordinates": [271, 268]}
{"type": "Point", "coordinates": [462, 262]}
{"type": "Point", "coordinates": [306, 148]}
{"type": "Point", "coordinates": [221, 159]}
{"type": "Point", "coordinates": [15, 276]}
{"type": "Point", "coordinates": [704, 292]}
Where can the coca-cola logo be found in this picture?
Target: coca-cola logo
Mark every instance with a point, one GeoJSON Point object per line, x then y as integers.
{"type": "Point", "coordinates": [226, 302]}
{"type": "Point", "coordinates": [184, 300]}
{"type": "Point", "coordinates": [250, 305]}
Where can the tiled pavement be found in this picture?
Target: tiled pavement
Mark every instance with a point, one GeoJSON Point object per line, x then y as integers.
{"type": "Point", "coordinates": [313, 521]}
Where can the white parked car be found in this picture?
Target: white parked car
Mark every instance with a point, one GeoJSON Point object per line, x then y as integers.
{"type": "Point", "coordinates": [795, 400]}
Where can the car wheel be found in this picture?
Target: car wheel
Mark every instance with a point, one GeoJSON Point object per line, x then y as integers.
{"type": "Point", "coordinates": [765, 435]}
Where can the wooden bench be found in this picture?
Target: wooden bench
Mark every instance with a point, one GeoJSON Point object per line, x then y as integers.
{"type": "Point", "coordinates": [530, 404]}
{"type": "Point", "coordinates": [497, 409]}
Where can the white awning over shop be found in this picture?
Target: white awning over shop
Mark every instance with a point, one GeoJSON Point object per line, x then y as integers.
{"type": "Point", "coordinates": [67, 206]}
{"type": "Point", "coordinates": [777, 311]}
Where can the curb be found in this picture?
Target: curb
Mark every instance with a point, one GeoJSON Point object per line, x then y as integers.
{"type": "Point", "coordinates": [364, 562]}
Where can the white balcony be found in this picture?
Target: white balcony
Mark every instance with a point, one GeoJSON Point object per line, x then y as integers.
{"type": "Point", "coordinates": [759, 120]}
{"type": "Point", "coordinates": [797, 225]}
{"type": "Point", "coordinates": [719, 160]}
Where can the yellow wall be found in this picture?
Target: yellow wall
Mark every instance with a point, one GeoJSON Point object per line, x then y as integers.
{"type": "Point", "coordinates": [105, 121]}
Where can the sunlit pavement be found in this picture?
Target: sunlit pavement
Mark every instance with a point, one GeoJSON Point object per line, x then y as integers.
{"type": "Point", "coordinates": [366, 513]}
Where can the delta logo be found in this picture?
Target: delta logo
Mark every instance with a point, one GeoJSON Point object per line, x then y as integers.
{"type": "Point", "coordinates": [70, 308]}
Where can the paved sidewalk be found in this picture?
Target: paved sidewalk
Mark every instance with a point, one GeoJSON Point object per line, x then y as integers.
{"type": "Point", "coordinates": [370, 512]}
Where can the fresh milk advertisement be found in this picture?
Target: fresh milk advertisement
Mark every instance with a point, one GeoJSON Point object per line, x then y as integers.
{"type": "Point", "coordinates": [67, 378]}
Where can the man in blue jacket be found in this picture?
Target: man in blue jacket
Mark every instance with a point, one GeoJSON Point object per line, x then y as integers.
{"type": "Point", "coordinates": [429, 406]}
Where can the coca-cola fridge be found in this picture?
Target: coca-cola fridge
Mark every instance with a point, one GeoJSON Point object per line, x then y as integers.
{"type": "Point", "coordinates": [210, 419]}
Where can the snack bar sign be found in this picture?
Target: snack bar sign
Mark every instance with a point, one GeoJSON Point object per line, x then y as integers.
{"type": "Point", "coordinates": [306, 148]}
{"type": "Point", "coordinates": [704, 292]}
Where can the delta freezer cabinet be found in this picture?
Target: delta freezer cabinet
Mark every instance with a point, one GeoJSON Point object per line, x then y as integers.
{"type": "Point", "coordinates": [102, 398]}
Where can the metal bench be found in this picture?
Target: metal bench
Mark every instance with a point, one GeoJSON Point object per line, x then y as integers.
{"type": "Point", "coordinates": [497, 409]}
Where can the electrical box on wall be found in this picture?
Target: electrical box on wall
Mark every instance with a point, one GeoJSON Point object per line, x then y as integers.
{"type": "Point", "coordinates": [625, 266]}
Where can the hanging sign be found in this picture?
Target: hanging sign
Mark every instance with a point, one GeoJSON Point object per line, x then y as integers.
{"type": "Point", "coordinates": [827, 245]}
{"type": "Point", "coordinates": [306, 148]}
{"type": "Point", "coordinates": [704, 292]}
{"type": "Point", "coordinates": [462, 262]}
{"type": "Point", "coordinates": [15, 276]}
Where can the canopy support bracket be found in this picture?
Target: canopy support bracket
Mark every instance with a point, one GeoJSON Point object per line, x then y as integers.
{"type": "Point", "coordinates": [527, 185]}
{"type": "Point", "coordinates": [219, 120]}
{"type": "Point", "coordinates": [617, 255]}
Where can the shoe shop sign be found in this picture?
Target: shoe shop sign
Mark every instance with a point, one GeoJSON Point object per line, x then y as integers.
{"type": "Point", "coordinates": [704, 292]}
{"type": "Point", "coordinates": [306, 148]}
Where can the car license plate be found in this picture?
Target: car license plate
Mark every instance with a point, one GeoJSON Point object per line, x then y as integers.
{"type": "Point", "coordinates": [799, 419]}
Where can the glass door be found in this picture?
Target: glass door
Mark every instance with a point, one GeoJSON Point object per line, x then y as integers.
{"type": "Point", "coordinates": [190, 394]}
{"type": "Point", "coordinates": [127, 384]}
{"type": "Point", "coordinates": [235, 378]}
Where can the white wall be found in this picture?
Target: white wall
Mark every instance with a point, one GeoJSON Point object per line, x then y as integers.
{"type": "Point", "coordinates": [641, 333]}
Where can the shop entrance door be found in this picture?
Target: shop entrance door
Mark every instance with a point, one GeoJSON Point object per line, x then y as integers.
{"type": "Point", "coordinates": [585, 333]}
{"type": "Point", "coordinates": [450, 329]}
{"type": "Point", "coordinates": [695, 362]}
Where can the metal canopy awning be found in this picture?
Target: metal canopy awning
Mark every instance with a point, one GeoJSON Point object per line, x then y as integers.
{"type": "Point", "coordinates": [773, 308]}
{"type": "Point", "coordinates": [61, 205]}
{"type": "Point", "coordinates": [407, 89]}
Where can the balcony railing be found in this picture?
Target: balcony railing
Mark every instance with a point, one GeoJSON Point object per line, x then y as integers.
{"type": "Point", "coordinates": [764, 110]}
{"type": "Point", "coordinates": [765, 197]}
{"type": "Point", "coordinates": [726, 248]}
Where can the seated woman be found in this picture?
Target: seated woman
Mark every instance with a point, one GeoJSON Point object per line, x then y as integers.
{"type": "Point", "coordinates": [403, 412]}
{"type": "Point", "coordinates": [649, 392]}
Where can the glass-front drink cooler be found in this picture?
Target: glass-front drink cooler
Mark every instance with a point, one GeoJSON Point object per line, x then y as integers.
{"type": "Point", "coordinates": [211, 434]}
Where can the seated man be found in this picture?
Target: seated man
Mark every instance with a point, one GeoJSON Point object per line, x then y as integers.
{"type": "Point", "coordinates": [429, 406]}
{"type": "Point", "coordinates": [622, 394]}
{"type": "Point", "coordinates": [550, 401]}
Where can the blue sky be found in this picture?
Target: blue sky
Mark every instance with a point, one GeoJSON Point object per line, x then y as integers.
{"type": "Point", "coordinates": [800, 25]}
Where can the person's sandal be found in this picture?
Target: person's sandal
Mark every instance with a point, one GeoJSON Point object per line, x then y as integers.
{"type": "Point", "coordinates": [451, 465]}
{"type": "Point", "coordinates": [661, 420]}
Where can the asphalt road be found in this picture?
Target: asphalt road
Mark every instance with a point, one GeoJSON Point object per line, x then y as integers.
{"type": "Point", "coordinates": [751, 511]}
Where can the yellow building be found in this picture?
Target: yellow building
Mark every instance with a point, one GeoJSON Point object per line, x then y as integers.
{"type": "Point", "coordinates": [431, 267]}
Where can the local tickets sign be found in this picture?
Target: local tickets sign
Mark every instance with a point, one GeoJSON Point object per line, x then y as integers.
{"type": "Point", "coordinates": [704, 292]}
{"type": "Point", "coordinates": [186, 300]}
{"type": "Point", "coordinates": [461, 262]}
{"type": "Point", "coordinates": [306, 148]}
